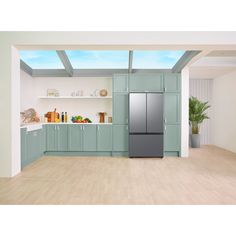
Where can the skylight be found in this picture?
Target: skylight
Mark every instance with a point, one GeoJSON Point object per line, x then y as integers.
{"type": "Point", "coordinates": [98, 59]}
{"type": "Point", "coordinates": [41, 59]}
{"type": "Point", "coordinates": [155, 59]}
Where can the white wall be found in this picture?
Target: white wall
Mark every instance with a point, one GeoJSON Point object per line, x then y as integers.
{"type": "Point", "coordinates": [224, 112]}
{"type": "Point", "coordinates": [32, 87]}
{"type": "Point", "coordinates": [202, 89]}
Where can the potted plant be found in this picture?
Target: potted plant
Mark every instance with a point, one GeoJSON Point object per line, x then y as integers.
{"type": "Point", "coordinates": [196, 116]}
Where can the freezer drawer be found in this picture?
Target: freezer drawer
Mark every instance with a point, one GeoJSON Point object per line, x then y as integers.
{"type": "Point", "coordinates": [146, 145]}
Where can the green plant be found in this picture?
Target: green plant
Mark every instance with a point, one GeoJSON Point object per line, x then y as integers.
{"type": "Point", "coordinates": [197, 113]}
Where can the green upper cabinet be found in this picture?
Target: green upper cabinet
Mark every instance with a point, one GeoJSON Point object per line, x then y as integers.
{"type": "Point", "coordinates": [75, 137]}
{"type": "Point", "coordinates": [89, 138]}
{"type": "Point", "coordinates": [172, 82]}
{"type": "Point", "coordinates": [120, 108]}
{"type": "Point", "coordinates": [120, 138]}
{"type": "Point", "coordinates": [172, 138]}
{"type": "Point", "coordinates": [104, 137]}
{"type": "Point", "coordinates": [146, 82]}
{"type": "Point", "coordinates": [172, 108]}
{"type": "Point", "coordinates": [62, 140]}
{"type": "Point", "coordinates": [120, 82]}
{"type": "Point", "coordinates": [57, 137]}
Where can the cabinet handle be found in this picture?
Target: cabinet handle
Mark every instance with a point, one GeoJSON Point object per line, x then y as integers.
{"type": "Point", "coordinates": [81, 128]}
{"type": "Point", "coordinates": [98, 127]}
{"type": "Point", "coordinates": [164, 120]}
{"type": "Point", "coordinates": [164, 89]}
{"type": "Point", "coordinates": [55, 127]}
{"type": "Point", "coordinates": [165, 128]}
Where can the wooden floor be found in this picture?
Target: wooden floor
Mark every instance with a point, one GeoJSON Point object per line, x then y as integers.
{"type": "Point", "coordinates": [208, 176]}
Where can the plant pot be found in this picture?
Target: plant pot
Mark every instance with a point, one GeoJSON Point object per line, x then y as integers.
{"type": "Point", "coordinates": [195, 140]}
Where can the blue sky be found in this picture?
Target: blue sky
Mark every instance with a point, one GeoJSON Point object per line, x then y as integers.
{"type": "Point", "coordinates": [102, 59]}
{"type": "Point", "coordinates": [41, 59]}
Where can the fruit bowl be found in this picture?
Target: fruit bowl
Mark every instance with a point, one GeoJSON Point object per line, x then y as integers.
{"type": "Point", "coordinates": [80, 119]}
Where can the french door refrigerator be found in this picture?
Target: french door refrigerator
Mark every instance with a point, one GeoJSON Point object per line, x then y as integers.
{"type": "Point", "coordinates": [146, 124]}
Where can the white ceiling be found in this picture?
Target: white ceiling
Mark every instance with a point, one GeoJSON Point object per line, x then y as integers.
{"type": "Point", "coordinates": [215, 64]}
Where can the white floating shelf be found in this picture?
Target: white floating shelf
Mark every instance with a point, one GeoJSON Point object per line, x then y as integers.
{"type": "Point", "coordinates": [75, 97]}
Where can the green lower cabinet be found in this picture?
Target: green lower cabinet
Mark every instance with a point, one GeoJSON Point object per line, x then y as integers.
{"type": "Point", "coordinates": [89, 138]}
{"type": "Point", "coordinates": [43, 140]}
{"type": "Point", "coordinates": [33, 145]}
{"type": "Point", "coordinates": [57, 137]}
{"type": "Point", "coordinates": [62, 138]}
{"type": "Point", "coordinates": [120, 138]}
{"type": "Point", "coordinates": [104, 137]}
{"type": "Point", "coordinates": [75, 136]}
{"type": "Point", "coordinates": [24, 158]}
{"type": "Point", "coordinates": [51, 137]}
{"type": "Point", "coordinates": [172, 138]}
{"type": "Point", "coordinates": [149, 82]}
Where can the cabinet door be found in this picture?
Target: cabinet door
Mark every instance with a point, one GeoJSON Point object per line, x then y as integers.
{"type": "Point", "coordinates": [146, 82]}
{"type": "Point", "coordinates": [75, 137]}
{"type": "Point", "coordinates": [120, 138]}
{"type": "Point", "coordinates": [62, 138]}
{"type": "Point", "coordinates": [51, 137]}
{"type": "Point", "coordinates": [33, 145]}
{"type": "Point", "coordinates": [172, 82]}
{"type": "Point", "coordinates": [172, 108]}
{"type": "Point", "coordinates": [104, 137]}
{"type": "Point", "coordinates": [120, 108]}
{"type": "Point", "coordinates": [24, 159]}
{"type": "Point", "coordinates": [43, 140]}
{"type": "Point", "coordinates": [120, 83]}
{"type": "Point", "coordinates": [89, 138]}
{"type": "Point", "coordinates": [172, 138]}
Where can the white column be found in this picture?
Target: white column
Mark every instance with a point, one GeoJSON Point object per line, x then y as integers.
{"type": "Point", "coordinates": [185, 112]}
{"type": "Point", "coordinates": [9, 110]}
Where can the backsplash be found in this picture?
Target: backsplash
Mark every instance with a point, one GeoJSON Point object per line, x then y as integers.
{"type": "Point", "coordinates": [32, 88]}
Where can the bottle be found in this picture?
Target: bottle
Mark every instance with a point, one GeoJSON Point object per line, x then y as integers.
{"type": "Point", "coordinates": [62, 117]}
{"type": "Point", "coordinates": [65, 118]}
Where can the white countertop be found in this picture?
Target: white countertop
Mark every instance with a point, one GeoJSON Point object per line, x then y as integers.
{"type": "Point", "coordinates": [36, 125]}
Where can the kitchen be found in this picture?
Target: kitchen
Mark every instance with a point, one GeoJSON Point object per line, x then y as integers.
{"type": "Point", "coordinates": [87, 114]}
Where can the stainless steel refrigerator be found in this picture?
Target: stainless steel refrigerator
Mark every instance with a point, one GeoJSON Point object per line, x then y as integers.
{"type": "Point", "coordinates": [146, 125]}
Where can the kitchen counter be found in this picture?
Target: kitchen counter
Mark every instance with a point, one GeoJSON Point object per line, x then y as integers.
{"type": "Point", "coordinates": [34, 125]}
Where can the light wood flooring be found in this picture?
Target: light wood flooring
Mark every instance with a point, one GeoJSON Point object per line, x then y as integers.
{"type": "Point", "coordinates": [208, 176]}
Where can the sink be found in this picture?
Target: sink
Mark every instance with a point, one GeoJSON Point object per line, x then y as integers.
{"type": "Point", "coordinates": [34, 127]}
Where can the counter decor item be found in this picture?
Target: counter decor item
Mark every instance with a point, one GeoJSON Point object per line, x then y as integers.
{"type": "Point", "coordinates": [103, 93]}
{"type": "Point", "coordinates": [102, 117]}
{"type": "Point", "coordinates": [196, 116]}
{"type": "Point", "coordinates": [80, 119]}
{"type": "Point", "coordinates": [95, 93]}
{"type": "Point", "coordinates": [53, 116]}
{"type": "Point", "coordinates": [109, 119]}
{"type": "Point", "coordinates": [29, 116]}
{"type": "Point", "coordinates": [53, 93]}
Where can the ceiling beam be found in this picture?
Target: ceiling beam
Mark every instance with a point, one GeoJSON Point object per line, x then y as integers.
{"type": "Point", "coordinates": [184, 60]}
{"type": "Point", "coordinates": [26, 68]}
{"type": "Point", "coordinates": [50, 73]}
{"type": "Point", "coordinates": [66, 62]}
{"type": "Point", "coordinates": [130, 61]}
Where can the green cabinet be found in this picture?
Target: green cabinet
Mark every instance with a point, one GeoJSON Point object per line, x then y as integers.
{"type": "Point", "coordinates": [43, 140]}
{"type": "Point", "coordinates": [146, 82]}
{"type": "Point", "coordinates": [104, 137]}
{"type": "Point", "coordinates": [172, 108]}
{"type": "Point", "coordinates": [89, 138]}
{"type": "Point", "coordinates": [120, 108]}
{"type": "Point", "coordinates": [120, 138]}
{"type": "Point", "coordinates": [172, 138]}
{"type": "Point", "coordinates": [24, 158]}
{"type": "Point", "coordinates": [172, 82]}
{"type": "Point", "coordinates": [57, 137]}
{"type": "Point", "coordinates": [75, 135]}
{"type": "Point", "coordinates": [120, 82]}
